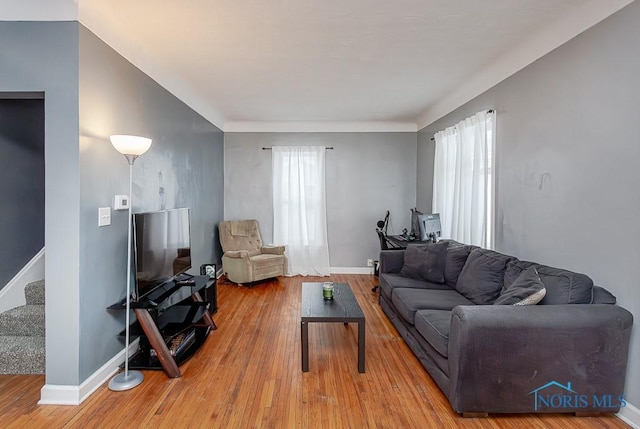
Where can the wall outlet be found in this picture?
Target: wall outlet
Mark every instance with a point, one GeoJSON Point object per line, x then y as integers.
{"type": "Point", "coordinates": [369, 262]}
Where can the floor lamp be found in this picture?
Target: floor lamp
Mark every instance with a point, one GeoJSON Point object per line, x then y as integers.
{"type": "Point", "coordinates": [131, 147]}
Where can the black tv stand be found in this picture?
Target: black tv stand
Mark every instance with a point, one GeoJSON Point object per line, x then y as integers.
{"type": "Point", "coordinates": [182, 277]}
{"type": "Point", "coordinates": [169, 315]}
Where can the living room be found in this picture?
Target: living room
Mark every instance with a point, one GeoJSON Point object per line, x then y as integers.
{"type": "Point", "coordinates": [557, 191]}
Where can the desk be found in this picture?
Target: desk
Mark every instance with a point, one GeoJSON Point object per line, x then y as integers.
{"type": "Point", "coordinates": [398, 242]}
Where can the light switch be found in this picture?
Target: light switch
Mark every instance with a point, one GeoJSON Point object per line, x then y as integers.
{"type": "Point", "coordinates": [104, 216]}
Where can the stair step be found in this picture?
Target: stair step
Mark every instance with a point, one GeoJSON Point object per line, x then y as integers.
{"type": "Point", "coordinates": [22, 355]}
{"type": "Point", "coordinates": [34, 293]}
{"type": "Point", "coordinates": [27, 320]}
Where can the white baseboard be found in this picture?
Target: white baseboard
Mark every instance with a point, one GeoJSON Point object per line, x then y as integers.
{"type": "Point", "coordinates": [337, 270]}
{"type": "Point", "coordinates": [630, 414]}
{"type": "Point", "coordinates": [12, 295]}
{"type": "Point", "coordinates": [351, 270]}
{"type": "Point", "coordinates": [52, 394]}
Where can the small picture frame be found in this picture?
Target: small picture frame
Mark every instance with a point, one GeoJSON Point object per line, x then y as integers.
{"type": "Point", "coordinates": [208, 270]}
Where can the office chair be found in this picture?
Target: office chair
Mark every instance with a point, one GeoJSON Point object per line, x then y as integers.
{"type": "Point", "coordinates": [384, 245]}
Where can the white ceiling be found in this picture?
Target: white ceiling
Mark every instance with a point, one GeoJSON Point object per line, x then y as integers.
{"type": "Point", "coordinates": [326, 64]}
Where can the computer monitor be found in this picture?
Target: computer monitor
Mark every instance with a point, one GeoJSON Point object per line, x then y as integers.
{"type": "Point", "coordinates": [429, 226]}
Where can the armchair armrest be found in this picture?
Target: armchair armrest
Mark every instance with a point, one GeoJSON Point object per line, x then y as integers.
{"type": "Point", "coordinates": [391, 261]}
{"type": "Point", "coordinates": [273, 250]}
{"type": "Point", "coordinates": [502, 357]}
{"type": "Point", "coordinates": [237, 254]}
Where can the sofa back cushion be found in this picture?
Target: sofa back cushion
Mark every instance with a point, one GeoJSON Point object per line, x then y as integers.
{"type": "Point", "coordinates": [527, 289]}
{"type": "Point", "coordinates": [457, 254]}
{"type": "Point", "coordinates": [562, 286]}
{"type": "Point", "coordinates": [602, 296]}
{"type": "Point", "coordinates": [425, 262]}
{"type": "Point", "coordinates": [482, 276]}
{"type": "Point", "coordinates": [391, 281]}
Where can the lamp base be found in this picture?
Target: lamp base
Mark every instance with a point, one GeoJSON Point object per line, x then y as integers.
{"type": "Point", "coordinates": [126, 381]}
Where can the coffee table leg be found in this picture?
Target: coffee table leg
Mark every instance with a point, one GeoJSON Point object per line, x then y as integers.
{"type": "Point", "coordinates": [361, 347]}
{"type": "Point", "coordinates": [304, 328]}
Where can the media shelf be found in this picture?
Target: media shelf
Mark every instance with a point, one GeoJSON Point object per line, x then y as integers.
{"type": "Point", "coordinates": [168, 312]}
{"type": "Point", "coordinates": [144, 358]}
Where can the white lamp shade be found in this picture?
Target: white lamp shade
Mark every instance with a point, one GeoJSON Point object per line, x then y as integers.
{"type": "Point", "coordinates": [130, 145]}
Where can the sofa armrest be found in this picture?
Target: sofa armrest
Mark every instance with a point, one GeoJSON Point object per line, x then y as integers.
{"type": "Point", "coordinates": [237, 254]}
{"type": "Point", "coordinates": [273, 250]}
{"type": "Point", "coordinates": [502, 357]}
{"type": "Point", "coordinates": [391, 261]}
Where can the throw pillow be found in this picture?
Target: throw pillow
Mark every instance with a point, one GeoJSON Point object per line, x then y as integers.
{"type": "Point", "coordinates": [481, 279]}
{"type": "Point", "coordinates": [563, 286]}
{"type": "Point", "coordinates": [425, 262]}
{"type": "Point", "coordinates": [527, 289]}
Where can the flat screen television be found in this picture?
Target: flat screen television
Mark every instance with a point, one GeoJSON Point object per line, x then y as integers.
{"type": "Point", "coordinates": [162, 248]}
{"type": "Point", "coordinates": [429, 226]}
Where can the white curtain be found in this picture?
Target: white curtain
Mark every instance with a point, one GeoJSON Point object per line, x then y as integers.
{"type": "Point", "coordinates": [463, 180]}
{"type": "Point", "coordinates": [299, 208]}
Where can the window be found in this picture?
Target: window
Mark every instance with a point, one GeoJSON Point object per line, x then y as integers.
{"type": "Point", "coordinates": [299, 207]}
{"type": "Point", "coordinates": [463, 180]}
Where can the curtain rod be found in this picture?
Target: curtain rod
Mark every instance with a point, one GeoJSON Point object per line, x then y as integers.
{"type": "Point", "coordinates": [488, 111]}
{"type": "Point", "coordinates": [269, 148]}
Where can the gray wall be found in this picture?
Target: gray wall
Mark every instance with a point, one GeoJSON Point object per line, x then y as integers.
{"type": "Point", "coordinates": [366, 174]}
{"type": "Point", "coordinates": [90, 93]}
{"type": "Point", "coordinates": [567, 161]}
{"type": "Point", "coordinates": [183, 168]}
{"type": "Point", "coordinates": [424, 186]}
{"type": "Point", "coordinates": [22, 164]}
{"type": "Point", "coordinates": [43, 56]}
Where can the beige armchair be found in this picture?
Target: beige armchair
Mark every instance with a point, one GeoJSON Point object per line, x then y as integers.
{"type": "Point", "coordinates": [245, 259]}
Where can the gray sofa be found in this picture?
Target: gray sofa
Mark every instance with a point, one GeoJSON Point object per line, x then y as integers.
{"type": "Point", "coordinates": [567, 353]}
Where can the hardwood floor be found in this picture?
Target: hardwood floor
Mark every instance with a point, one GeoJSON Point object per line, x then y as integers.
{"type": "Point", "coordinates": [248, 374]}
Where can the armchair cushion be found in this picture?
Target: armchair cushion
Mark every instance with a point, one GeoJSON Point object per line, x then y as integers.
{"type": "Point", "coordinates": [240, 235]}
{"type": "Point", "coordinates": [242, 229]}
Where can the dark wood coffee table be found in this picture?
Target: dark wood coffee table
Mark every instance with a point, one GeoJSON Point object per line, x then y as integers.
{"type": "Point", "coordinates": [343, 308]}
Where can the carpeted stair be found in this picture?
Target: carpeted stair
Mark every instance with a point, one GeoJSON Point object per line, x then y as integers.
{"type": "Point", "coordinates": [22, 347]}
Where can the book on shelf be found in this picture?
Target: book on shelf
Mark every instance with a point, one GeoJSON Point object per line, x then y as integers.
{"type": "Point", "coordinates": [177, 343]}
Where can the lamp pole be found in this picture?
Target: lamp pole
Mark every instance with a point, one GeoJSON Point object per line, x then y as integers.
{"type": "Point", "coordinates": [131, 147]}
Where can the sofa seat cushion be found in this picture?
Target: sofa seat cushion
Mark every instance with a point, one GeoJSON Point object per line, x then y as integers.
{"type": "Point", "coordinates": [527, 289]}
{"type": "Point", "coordinates": [482, 276]}
{"type": "Point", "coordinates": [408, 301]}
{"type": "Point", "coordinates": [434, 327]}
{"type": "Point", "coordinates": [390, 281]}
{"type": "Point", "coordinates": [562, 286]}
{"type": "Point", "coordinates": [425, 262]}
